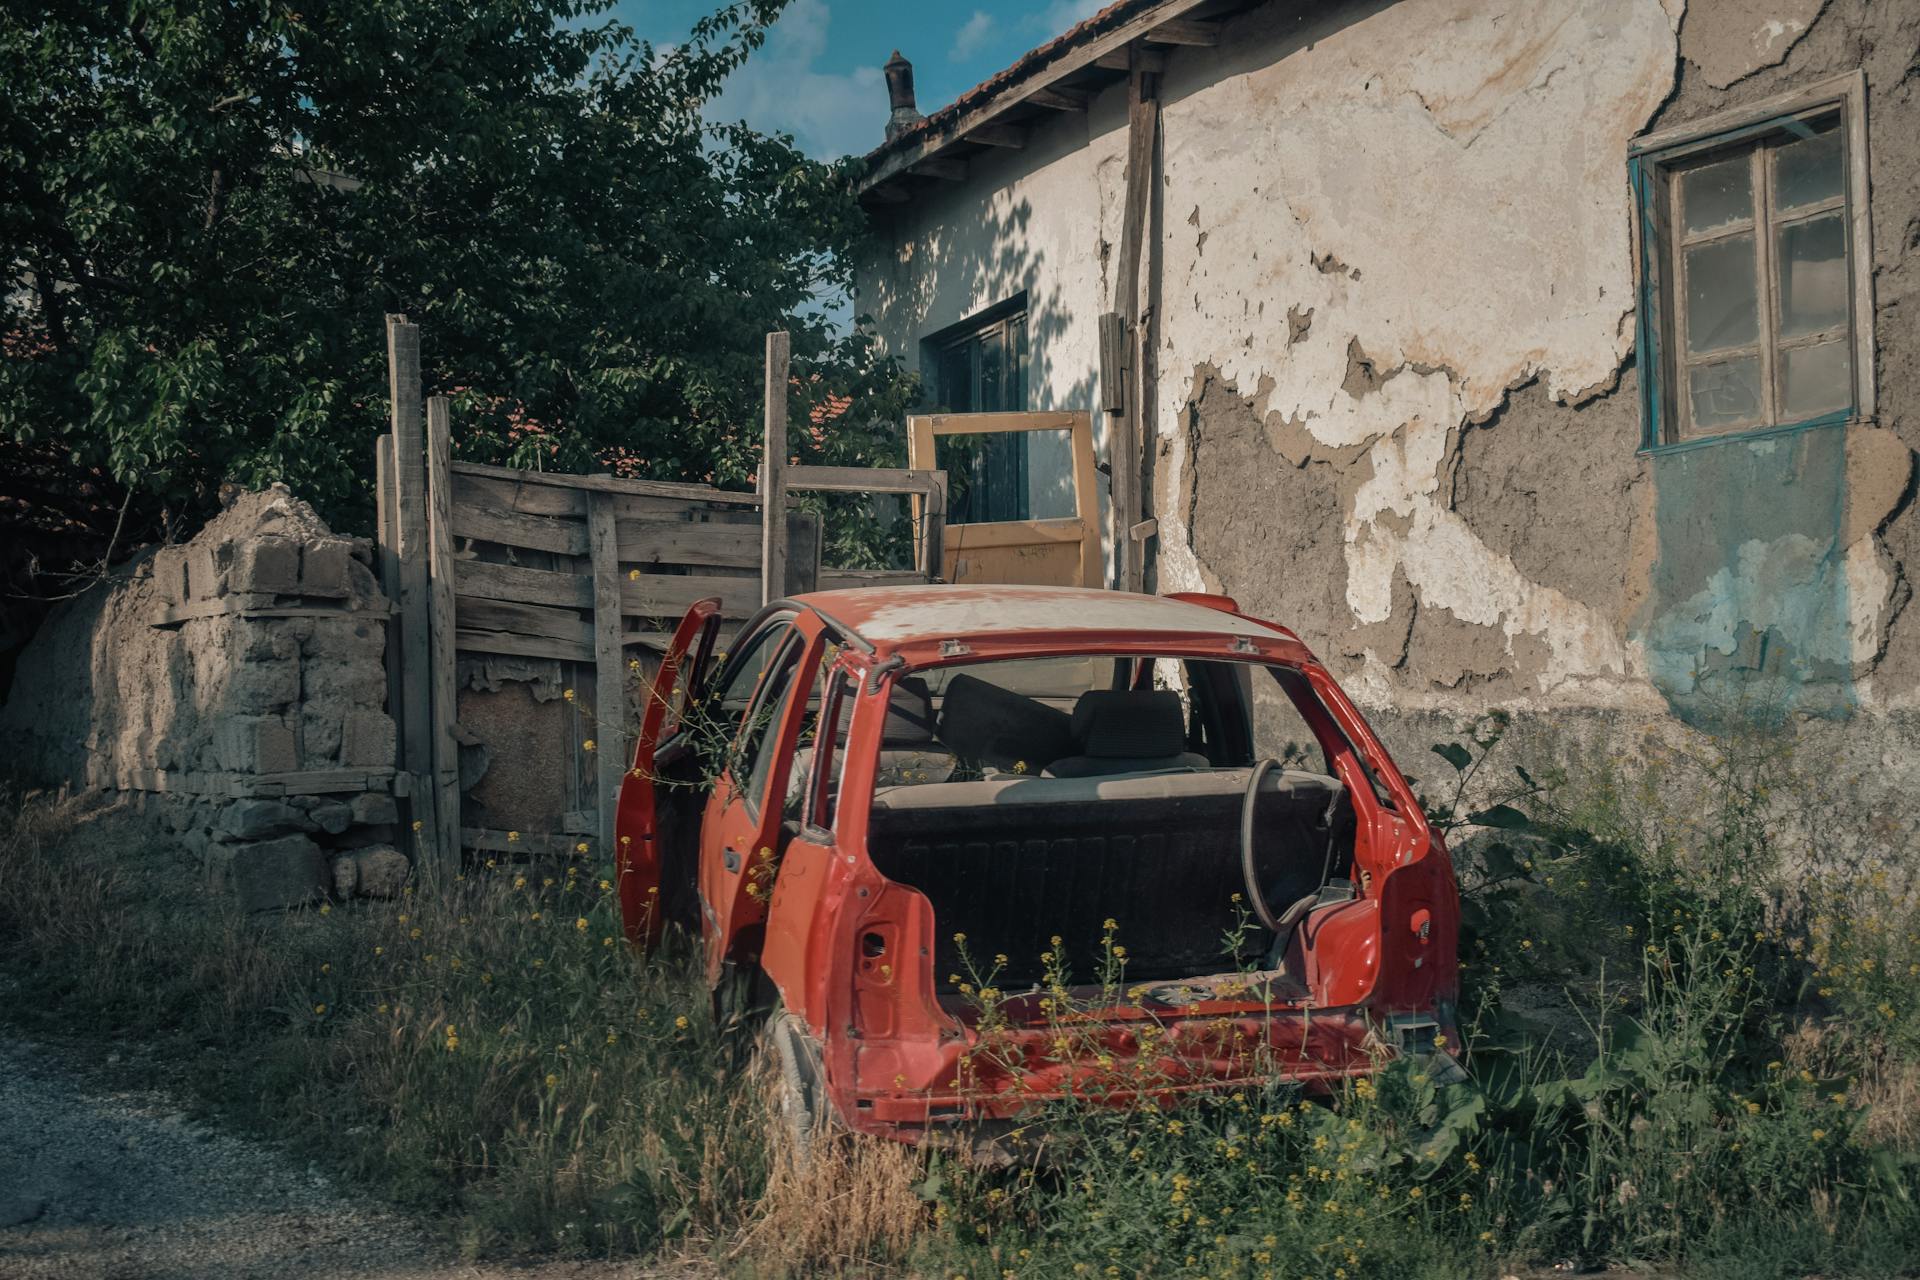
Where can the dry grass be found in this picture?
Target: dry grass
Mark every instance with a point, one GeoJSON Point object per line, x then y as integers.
{"type": "Point", "coordinates": [850, 1206]}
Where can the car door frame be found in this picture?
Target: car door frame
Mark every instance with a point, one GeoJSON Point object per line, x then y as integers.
{"type": "Point", "coordinates": [736, 876]}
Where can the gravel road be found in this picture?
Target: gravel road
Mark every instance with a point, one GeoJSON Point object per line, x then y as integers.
{"type": "Point", "coordinates": [120, 1186]}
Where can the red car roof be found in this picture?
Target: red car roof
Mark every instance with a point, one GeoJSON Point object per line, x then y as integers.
{"type": "Point", "coordinates": [893, 617]}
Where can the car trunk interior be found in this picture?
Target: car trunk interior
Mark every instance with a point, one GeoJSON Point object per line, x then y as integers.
{"type": "Point", "coordinates": [1026, 813]}
{"type": "Point", "coordinates": [1013, 863]}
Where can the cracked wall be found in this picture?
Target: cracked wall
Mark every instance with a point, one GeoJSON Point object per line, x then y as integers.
{"type": "Point", "coordinates": [1398, 401]}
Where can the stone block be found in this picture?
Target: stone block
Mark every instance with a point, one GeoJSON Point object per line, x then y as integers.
{"type": "Point", "coordinates": [253, 744]}
{"type": "Point", "coordinates": [259, 688]}
{"type": "Point", "coordinates": [368, 740]}
{"type": "Point", "coordinates": [382, 871]}
{"type": "Point", "coordinates": [206, 572]}
{"type": "Point", "coordinates": [323, 568]}
{"type": "Point", "coordinates": [275, 874]}
{"type": "Point", "coordinates": [170, 574]}
{"type": "Point", "coordinates": [258, 819]}
{"type": "Point", "coordinates": [267, 564]}
{"type": "Point", "coordinates": [332, 818]}
{"type": "Point", "coordinates": [373, 807]}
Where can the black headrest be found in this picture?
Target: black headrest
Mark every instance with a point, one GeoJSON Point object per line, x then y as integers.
{"type": "Point", "coordinates": [1129, 723]}
{"type": "Point", "coordinates": [909, 714]}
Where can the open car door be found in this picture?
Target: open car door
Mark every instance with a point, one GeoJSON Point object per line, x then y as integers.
{"type": "Point", "coordinates": [666, 773]}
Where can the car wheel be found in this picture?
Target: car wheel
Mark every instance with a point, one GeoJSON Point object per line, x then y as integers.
{"type": "Point", "coordinates": [805, 1114]}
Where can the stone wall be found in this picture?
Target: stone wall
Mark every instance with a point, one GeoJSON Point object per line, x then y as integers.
{"type": "Point", "coordinates": [237, 683]}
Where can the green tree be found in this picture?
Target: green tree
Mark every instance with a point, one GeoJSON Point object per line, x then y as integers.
{"type": "Point", "coordinates": [209, 206]}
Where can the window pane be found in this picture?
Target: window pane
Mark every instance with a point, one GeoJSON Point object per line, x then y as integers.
{"type": "Point", "coordinates": [1809, 169]}
{"type": "Point", "coordinates": [1812, 261]}
{"type": "Point", "coordinates": [1816, 379]}
{"type": "Point", "coordinates": [1725, 394]}
{"type": "Point", "coordinates": [1721, 310]}
{"type": "Point", "coordinates": [1715, 195]}
{"type": "Point", "coordinates": [953, 377]}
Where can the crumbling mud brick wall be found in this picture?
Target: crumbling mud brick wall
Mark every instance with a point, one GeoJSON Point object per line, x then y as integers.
{"type": "Point", "coordinates": [1441, 450]}
{"type": "Point", "coordinates": [236, 684]}
{"type": "Point", "coordinates": [1399, 401]}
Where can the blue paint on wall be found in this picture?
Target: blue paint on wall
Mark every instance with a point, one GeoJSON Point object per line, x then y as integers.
{"type": "Point", "coordinates": [1748, 613]}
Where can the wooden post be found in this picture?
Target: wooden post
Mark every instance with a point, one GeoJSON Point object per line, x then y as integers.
{"type": "Point", "coordinates": [773, 473]}
{"type": "Point", "coordinates": [415, 719]}
{"type": "Point", "coordinates": [1126, 432]}
{"type": "Point", "coordinates": [387, 534]}
{"type": "Point", "coordinates": [445, 684]}
{"type": "Point", "coordinates": [609, 671]}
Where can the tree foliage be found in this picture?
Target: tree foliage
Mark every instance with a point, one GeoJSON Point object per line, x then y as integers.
{"type": "Point", "coordinates": [210, 206]}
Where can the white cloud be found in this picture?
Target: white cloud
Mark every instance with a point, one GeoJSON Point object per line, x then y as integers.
{"type": "Point", "coordinates": [1062, 14]}
{"type": "Point", "coordinates": [777, 90]}
{"type": "Point", "coordinates": [972, 36]}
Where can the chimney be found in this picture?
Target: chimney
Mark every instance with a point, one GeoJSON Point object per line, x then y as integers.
{"type": "Point", "coordinates": [900, 96]}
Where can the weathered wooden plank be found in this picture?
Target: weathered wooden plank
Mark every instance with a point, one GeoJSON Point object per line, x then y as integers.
{"type": "Point", "coordinates": [173, 615]}
{"type": "Point", "coordinates": [609, 663]}
{"type": "Point", "coordinates": [661, 595]}
{"type": "Point", "coordinates": [1020, 533]}
{"type": "Point", "coordinates": [515, 529]}
{"type": "Point", "coordinates": [512, 644]}
{"type": "Point", "coordinates": [860, 479]}
{"type": "Point", "coordinates": [689, 542]}
{"type": "Point", "coordinates": [960, 424]}
{"type": "Point", "coordinates": [410, 511]}
{"type": "Point", "coordinates": [525, 494]}
{"type": "Point", "coordinates": [773, 471]}
{"type": "Point", "coordinates": [843, 579]}
{"type": "Point", "coordinates": [387, 558]}
{"type": "Point", "coordinates": [803, 552]}
{"type": "Point", "coordinates": [522, 619]}
{"type": "Point", "coordinates": [614, 484]}
{"type": "Point", "coordinates": [440, 588]}
{"type": "Point", "coordinates": [477, 580]}
{"type": "Point", "coordinates": [304, 782]}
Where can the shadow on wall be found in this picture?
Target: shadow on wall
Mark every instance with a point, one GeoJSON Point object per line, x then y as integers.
{"type": "Point", "coordinates": [1748, 616]}
{"type": "Point", "coordinates": [957, 261]}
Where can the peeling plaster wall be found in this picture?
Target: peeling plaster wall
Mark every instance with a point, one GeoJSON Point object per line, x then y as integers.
{"type": "Point", "coordinates": [1398, 400]}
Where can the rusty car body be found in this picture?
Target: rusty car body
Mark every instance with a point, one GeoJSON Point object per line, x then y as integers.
{"type": "Point", "coordinates": [883, 804]}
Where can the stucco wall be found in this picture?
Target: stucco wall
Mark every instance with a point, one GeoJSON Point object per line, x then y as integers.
{"type": "Point", "coordinates": [1398, 400]}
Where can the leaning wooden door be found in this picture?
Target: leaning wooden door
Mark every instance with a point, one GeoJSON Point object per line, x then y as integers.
{"type": "Point", "coordinates": [1062, 551]}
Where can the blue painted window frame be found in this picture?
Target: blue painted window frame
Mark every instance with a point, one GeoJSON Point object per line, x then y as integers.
{"type": "Point", "coordinates": [1645, 171]}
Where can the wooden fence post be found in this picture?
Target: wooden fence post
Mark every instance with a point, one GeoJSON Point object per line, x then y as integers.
{"type": "Point", "coordinates": [773, 473]}
{"type": "Point", "coordinates": [414, 715]}
{"type": "Point", "coordinates": [609, 668]}
{"type": "Point", "coordinates": [445, 684]}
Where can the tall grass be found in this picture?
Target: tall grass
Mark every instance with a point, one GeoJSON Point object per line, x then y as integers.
{"type": "Point", "coordinates": [1691, 997]}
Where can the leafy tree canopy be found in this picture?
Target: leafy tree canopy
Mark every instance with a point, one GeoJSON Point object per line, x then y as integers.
{"type": "Point", "coordinates": [210, 206]}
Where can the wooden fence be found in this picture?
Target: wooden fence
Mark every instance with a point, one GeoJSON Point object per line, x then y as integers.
{"type": "Point", "coordinates": [530, 606]}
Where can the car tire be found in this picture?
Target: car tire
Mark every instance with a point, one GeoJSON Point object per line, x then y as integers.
{"type": "Point", "coordinates": [805, 1115]}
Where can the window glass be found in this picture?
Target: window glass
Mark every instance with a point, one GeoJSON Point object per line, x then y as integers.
{"type": "Point", "coordinates": [1756, 285]}
{"type": "Point", "coordinates": [1717, 195]}
{"type": "Point", "coordinates": [1812, 260]}
{"type": "Point", "coordinates": [1725, 394]}
{"type": "Point", "coordinates": [1723, 308]}
{"type": "Point", "coordinates": [1812, 169]}
{"type": "Point", "coordinates": [1817, 379]}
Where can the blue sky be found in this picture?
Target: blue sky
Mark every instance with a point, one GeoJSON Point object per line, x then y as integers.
{"type": "Point", "coordinates": [818, 76]}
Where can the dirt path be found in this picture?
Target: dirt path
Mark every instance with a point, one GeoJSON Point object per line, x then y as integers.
{"type": "Point", "coordinates": [117, 1186]}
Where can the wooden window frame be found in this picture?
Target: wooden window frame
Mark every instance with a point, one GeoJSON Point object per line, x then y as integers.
{"type": "Point", "coordinates": [1653, 164]}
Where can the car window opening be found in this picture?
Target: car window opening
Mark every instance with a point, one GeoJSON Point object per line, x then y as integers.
{"type": "Point", "coordinates": [1031, 799]}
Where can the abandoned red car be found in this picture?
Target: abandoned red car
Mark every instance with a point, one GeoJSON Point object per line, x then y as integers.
{"type": "Point", "coordinates": [985, 846]}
